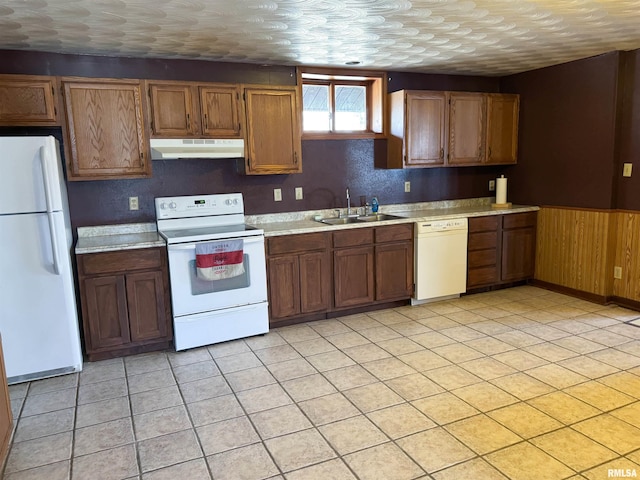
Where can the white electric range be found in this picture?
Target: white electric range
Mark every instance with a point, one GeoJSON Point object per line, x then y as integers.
{"type": "Point", "coordinates": [212, 311]}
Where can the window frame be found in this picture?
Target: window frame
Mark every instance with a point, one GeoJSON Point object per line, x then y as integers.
{"type": "Point", "coordinates": [376, 95]}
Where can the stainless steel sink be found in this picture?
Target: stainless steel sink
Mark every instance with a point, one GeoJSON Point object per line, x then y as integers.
{"type": "Point", "coordinates": [338, 220]}
{"type": "Point", "coordinates": [378, 217]}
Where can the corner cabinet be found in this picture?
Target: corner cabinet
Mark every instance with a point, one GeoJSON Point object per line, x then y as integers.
{"type": "Point", "coordinates": [28, 100]}
{"type": "Point", "coordinates": [105, 129]}
{"type": "Point", "coordinates": [125, 302]}
{"type": "Point", "coordinates": [501, 249]}
{"type": "Point", "coordinates": [273, 137]}
{"type": "Point", "coordinates": [299, 275]}
{"type": "Point", "coordinates": [185, 109]}
{"type": "Point", "coordinates": [449, 129]}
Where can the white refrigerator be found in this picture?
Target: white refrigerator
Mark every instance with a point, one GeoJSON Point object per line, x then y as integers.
{"type": "Point", "coordinates": [38, 315]}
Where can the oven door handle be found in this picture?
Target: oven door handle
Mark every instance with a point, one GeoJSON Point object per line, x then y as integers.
{"type": "Point", "coordinates": [191, 246]}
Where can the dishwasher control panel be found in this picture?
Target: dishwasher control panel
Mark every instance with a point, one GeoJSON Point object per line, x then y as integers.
{"type": "Point", "coordinates": [442, 225]}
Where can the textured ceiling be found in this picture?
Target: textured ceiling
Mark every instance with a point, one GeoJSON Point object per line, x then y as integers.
{"type": "Point", "coordinates": [495, 37]}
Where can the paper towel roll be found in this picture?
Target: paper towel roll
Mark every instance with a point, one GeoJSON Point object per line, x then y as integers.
{"type": "Point", "coordinates": [501, 190]}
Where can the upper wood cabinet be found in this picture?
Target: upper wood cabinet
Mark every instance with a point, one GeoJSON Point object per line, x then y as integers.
{"type": "Point", "coordinates": [273, 139]}
{"type": "Point", "coordinates": [105, 129]}
{"type": "Point", "coordinates": [186, 109]}
{"type": "Point", "coordinates": [417, 124]}
{"type": "Point", "coordinates": [466, 128]}
{"type": "Point", "coordinates": [28, 100]}
{"type": "Point", "coordinates": [502, 128]}
{"type": "Point", "coordinates": [435, 129]}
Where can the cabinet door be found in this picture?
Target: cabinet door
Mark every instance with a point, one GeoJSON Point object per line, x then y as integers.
{"type": "Point", "coordinates": [518, 253]}
{"type": "Point", "coordinates": [466, 128]}
{"type": "Point", "coordinates": [219, 111]}
{"type": "Point", "coordinates": [425, 128]}
{"type": "Point", "coordinates": [394, 271]}
{"type": "Point", "coordinates": [6, 417]}
{"type": "Point", "coordinates": [502, 128]}
{"type": "Point", "coordinates": [148, 316]}
{"type": "Point", "coordinates": [273, 131]}
{"type": "Point", "coordinates": [105, 129]}
{"type": "Point", "coordinates": [105, 317]}
{"type": "Point", "coordinates": [172, 110]}
{"type": "Point", "coordinates": [315, 282]}
{"type": "Point", "coordinates": [27, 100]}
{"type": "Point", "coordinates": [284, 286]}
{"type": "Point", "coordinates": [353, 276]}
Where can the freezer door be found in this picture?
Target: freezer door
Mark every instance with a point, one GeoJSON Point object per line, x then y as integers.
{"type": "Point", "coordinates": [31, 177]}
{"type": "Point", "coordinates": [38, 316]}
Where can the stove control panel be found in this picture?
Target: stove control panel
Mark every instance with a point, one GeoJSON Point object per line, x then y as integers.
{"type": "Point", "coordinates": [199, 206]}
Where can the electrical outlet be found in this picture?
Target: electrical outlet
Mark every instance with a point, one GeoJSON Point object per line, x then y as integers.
{"type": "Point", "coordinates": [133, 203]}
{"type": "Point", "coordinates": [617, 273]}
{"type": "Point", "coordinates": [407, 187]}
{"type": "Point", "coordinates": [626, 169]}
{"type": "Point", "coordinates": [277, 195]}
{"type": "Point", "coordinates": [299, 193]}
{"type": "Point", "coordinates": [492, 185]}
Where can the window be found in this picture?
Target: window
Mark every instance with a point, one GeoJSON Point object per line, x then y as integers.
{"type": "Point", "coordinates": [339, 105]}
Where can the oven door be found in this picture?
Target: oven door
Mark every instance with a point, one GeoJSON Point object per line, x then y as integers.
{"type": "Point", "coordinates": [191, 294]}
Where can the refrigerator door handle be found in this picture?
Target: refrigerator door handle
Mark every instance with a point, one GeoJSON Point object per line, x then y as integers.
{"type": "Point", "coordinates": [44, 161]}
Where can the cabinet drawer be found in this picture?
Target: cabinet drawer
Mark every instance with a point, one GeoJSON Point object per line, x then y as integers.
{"type": "Point", "coordinates": [482, 258]}
{"type": "Point", "coordinates": [393, 233]}
{"type": "Point", "coordinates": [481, 241]}
{"type": "Point", "coordinates": [482, 276]}
{"type": "Point", "coordinates": [298, 243]}
{"type": "Point", "coordinates": [519, 220]}
{"type": "Point", "coordinates": [353, 237]}
{"type": "Point", "coordinates": [483, 224]}
{"type": "Point", "coordinates": [121, 261]}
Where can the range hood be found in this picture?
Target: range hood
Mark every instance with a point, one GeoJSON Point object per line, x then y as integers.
{"type": "Point", "coordinates": [163, 148]}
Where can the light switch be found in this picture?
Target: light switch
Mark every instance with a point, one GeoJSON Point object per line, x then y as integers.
{"type": "Point", "coordinates": [626, 169]}
{"type": "Point", "coordinates": [407, 186]}
{"type": "Point", "coordinates": [298, 193]}
{"type": "Point", "coordinates": [277, 195]}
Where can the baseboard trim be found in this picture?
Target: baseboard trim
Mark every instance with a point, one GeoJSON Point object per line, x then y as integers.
{"type": "Point", "coordinates": [626, 303]}
{"type": "Point", "coordinates": [591, 297]}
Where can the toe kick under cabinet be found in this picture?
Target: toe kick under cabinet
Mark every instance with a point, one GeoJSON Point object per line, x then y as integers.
{"type": "Point", "coordinates": [125, 302]}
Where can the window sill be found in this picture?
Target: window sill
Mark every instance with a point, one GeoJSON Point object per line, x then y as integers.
{"type": "Point", "coordinates": [342, 136]}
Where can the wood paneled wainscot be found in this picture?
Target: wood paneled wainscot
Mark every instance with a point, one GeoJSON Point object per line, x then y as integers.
{"type": "Point", "coordinates": [125, 302]}
{"type": "Point", "coordinates": [6, 417]}
{"type": "Point", "coordinates": [299, 275]}
{"type": "Point", "coordinates": [28, 100]}
{"type": "Point", "coordinates": [579, 250]}
{"type": "Point", "coordinates": [107, 138]}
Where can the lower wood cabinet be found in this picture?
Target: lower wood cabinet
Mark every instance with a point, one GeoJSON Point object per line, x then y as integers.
{"type": "Point", "coordinates": [125, 302]}
{"type": "Point", "coordinates": [6, 417]}
{"type": "Point", "coordinates": [311, 275]}
{"type": "Point", "coordinates": [299, 275]}
{"type": "Point", "coordinates": [501, 249]}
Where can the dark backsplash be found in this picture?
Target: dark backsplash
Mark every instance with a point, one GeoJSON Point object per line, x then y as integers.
{"type": "Point", "coordinates": [329, 167]}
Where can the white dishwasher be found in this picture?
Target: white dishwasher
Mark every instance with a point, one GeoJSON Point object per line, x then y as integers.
{"type": "Point", "coordinates": [440, 259]}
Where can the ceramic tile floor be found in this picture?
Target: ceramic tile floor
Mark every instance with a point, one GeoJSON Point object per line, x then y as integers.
{"type": "Point", "coordinates": [520, 383]}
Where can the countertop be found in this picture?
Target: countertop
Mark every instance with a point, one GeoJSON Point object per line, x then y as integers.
{"type": "Point", "coordinates": [419, 213]}
{"type": "Point", "coordinates": [144, 235]}
{"type": "Point", "coordinates": [110, 238]}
